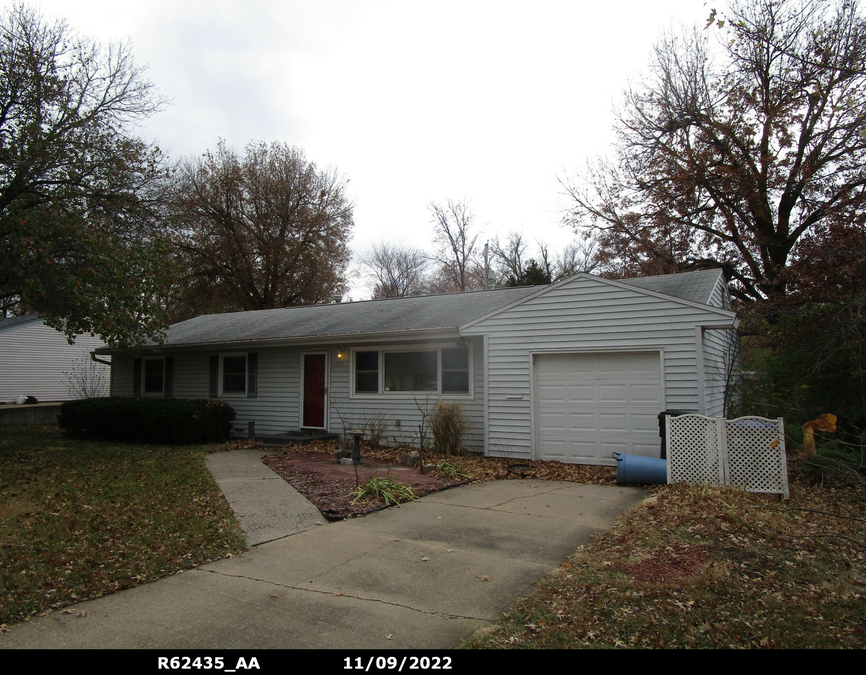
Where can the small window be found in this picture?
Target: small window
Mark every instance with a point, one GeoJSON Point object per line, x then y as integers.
{"type": "Point", "coordinates": [455, 371]}
{"type": "Point", "coordinates": [154, 377]}
{"type": "Point", "coordinates": [367, 372]}
{"type": "Point", "coordinates": [234, 375]}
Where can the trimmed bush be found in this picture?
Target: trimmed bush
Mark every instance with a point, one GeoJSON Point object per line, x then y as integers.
{"type": "Point", "coordinates": [448, 425]}
{"type": "Point", "coordinates": [167, 421]}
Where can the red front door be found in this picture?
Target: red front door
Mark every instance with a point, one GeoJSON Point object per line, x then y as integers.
{"type": "Point", "coordinates": [314, 390]}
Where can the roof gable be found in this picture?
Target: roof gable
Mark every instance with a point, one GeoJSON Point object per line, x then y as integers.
{"type": "Point", "coordinates": [691, 288]}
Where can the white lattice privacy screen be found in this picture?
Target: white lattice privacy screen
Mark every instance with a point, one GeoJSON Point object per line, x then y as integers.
{"type": "Point", "coordinates": [748, 452]}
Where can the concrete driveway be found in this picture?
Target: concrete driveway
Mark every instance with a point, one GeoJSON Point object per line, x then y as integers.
{"type": "Point", "coordinates": [425, 575]}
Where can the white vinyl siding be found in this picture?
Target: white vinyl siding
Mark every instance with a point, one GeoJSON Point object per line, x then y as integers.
{"type": "Point", "coordinates": [35, 360]}
{"type": "Point", "coordinates": [276, 409]}
{"type": "Point", "coordinates": [582, 315]}
{"type": "Point", "coordinates": [399, 412]}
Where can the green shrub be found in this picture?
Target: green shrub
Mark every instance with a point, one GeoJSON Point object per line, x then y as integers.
{"type": "Point", "coordinates": [172, 421]}
{"type": "Point", "coordinates": [448, 425]}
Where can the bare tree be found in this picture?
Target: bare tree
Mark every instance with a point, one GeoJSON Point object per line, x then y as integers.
{"type": "Point", "coordinates": [395, 270]}
{"type": "Point", "coordinates": [456, 240]}
{"type": "Point", "coordinates": [514, 266]}
{"type": "Point", "coordinates": [507, 258]}
{"type": "Point", "coordinates": [573, 259]}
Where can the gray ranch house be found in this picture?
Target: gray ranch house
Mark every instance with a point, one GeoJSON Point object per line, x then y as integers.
{"type": "Point", "coordinates": [573, 371]}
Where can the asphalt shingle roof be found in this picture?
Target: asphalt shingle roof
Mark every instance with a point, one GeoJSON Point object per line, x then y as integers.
{"type": "Point", "coordinates": [694, 286]}
{"type": "Point", "coordinates": [427, 312]}
{"type": "Point", "coordinates": [396, 315]}
{"type": "Point", "coordinates": [5, 322]}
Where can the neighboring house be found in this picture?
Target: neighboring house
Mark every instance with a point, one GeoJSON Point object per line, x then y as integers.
{"type": "Point", "coordinates": [572, 371]}
{"type": "Point", "coordinates": [37, 360]}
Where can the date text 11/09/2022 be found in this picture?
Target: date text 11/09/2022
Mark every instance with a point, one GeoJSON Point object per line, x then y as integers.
{"type": "Point", "coordinates": [393, 663]}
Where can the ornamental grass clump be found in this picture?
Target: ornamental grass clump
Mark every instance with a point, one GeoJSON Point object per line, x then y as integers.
{"type": "Point", "coordinates": [382, 489]}
{"type": "Point", "coordinates": [448, 425]}
{"type": "Point", "coordinates": [451, 470]}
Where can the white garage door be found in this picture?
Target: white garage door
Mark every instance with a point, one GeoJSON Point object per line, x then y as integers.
{"type": "Point", "coordinates": [588, 406]}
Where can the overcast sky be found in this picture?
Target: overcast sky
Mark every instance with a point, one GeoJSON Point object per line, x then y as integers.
{"type": "Point", "coordinates": [412, 101]}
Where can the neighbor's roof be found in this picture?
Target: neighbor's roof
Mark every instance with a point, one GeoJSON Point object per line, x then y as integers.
{"type": "Point", "coordinates": [8, 321]}
{"type": "Point", "coordinates": [694, 286]}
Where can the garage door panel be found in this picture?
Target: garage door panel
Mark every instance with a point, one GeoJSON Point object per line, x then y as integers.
{"type": "Point", "coordinates": [588, 406]}
{"type": "Point", "coordinates": [646, 422]}
{"type": "Point", "coordinates": [614, 394]}
{"type": "Point", "coordinates": [645, 393]}
{"type": "Point", "coordinates": [577, 393]}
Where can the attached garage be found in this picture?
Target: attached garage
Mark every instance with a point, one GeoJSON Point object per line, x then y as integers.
{"type": "Point", "coordinates": [582, 368]}
{"type": "Point", "coordinates": [587, 406]}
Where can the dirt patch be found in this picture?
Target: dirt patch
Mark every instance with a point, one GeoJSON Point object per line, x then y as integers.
{"type": "Point", "coordinates": [670, 564]}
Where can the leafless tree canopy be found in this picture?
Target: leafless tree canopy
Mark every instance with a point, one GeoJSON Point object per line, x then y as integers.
{"type": "Point", "coordinates": [264, 230]}
{"type": "Point", "coordinates": [455, 235]}
{"type": "Point", "coordinates": [744, 136]}
{"type": "Point", "coordinates": [395, 270]}
{"type": "Point", "coordinates": [513, 264]}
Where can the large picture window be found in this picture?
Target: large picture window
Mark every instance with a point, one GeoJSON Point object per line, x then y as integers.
{"type": "Point", "coordinates": [444, 370]}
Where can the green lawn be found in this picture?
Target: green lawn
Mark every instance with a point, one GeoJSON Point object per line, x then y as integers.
{"type": "Point", "coordinates": [80, 519]}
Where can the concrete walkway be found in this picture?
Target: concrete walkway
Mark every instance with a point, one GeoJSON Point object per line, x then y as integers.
{"type": "Point", "coordinates": [421, 576]}
{"type": "Point", "coordinates": [266, 506]}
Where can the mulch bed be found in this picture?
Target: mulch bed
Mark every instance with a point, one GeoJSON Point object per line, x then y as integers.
{"type": "Point", "coordinates": [312, 470]}
{"type": "Point", "coordinates": [328, 485]}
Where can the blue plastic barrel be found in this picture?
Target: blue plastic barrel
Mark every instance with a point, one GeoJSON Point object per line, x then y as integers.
{"type": "Point", "coordinates": [637, 470]}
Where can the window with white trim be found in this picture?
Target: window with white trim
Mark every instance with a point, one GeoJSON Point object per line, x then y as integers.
{"type": "Point", "coordinates": [444, 370]}
{"type": "Point", "coordinates": [233, 374]}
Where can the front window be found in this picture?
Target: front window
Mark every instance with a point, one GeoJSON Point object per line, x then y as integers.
{"type": "Point", "coordinates": [234, 375]}
{"type": "Point", "coordinates": [411, 371]}
{"type": "Point", "coordinates": [367, 372]}
{"type": "Point", "coordinates": [444, 370]}
{"type": "Point", "coordinates": [455, 371]}
{"type": "Point", "coordinates": [154, 376]}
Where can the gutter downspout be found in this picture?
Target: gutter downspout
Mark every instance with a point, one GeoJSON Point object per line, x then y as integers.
{"type": "Point", "coordinates": [96, 360]}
